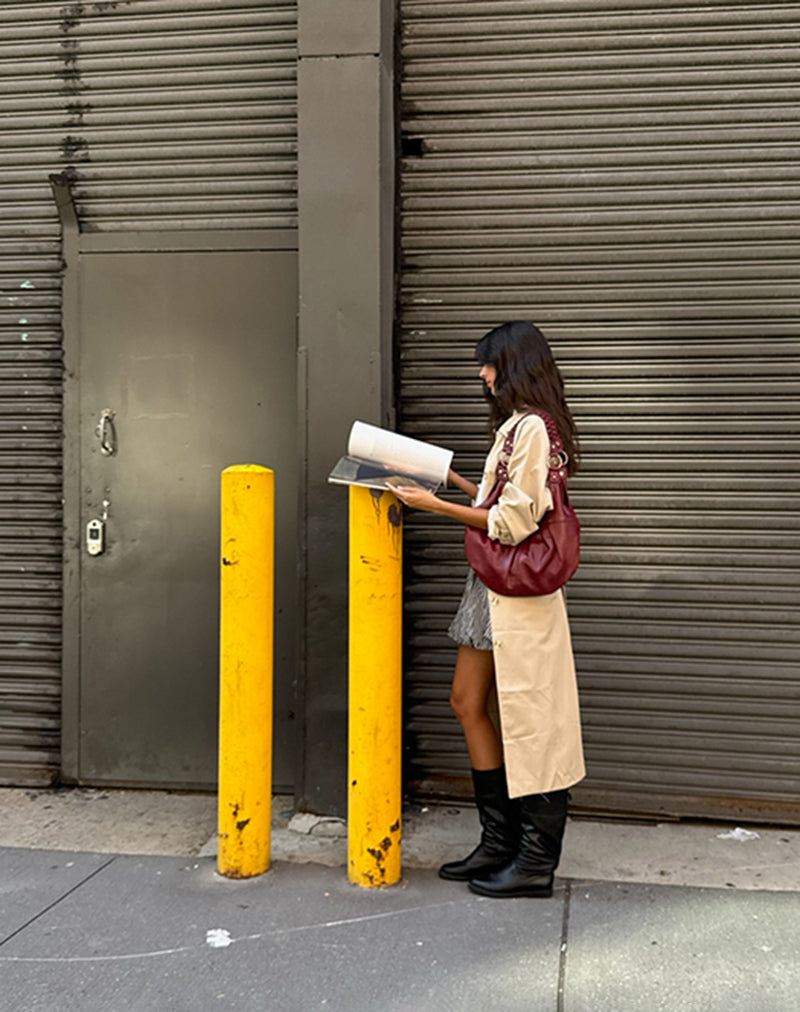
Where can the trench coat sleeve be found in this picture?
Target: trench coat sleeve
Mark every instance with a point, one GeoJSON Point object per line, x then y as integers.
{"type": "Point", "coordinates": [526, 496]}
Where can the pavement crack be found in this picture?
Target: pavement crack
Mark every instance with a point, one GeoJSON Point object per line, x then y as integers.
{"type": "Point", "coordinates": [562, 956]}
{"type": "Point", "coordinates": [56, 901]}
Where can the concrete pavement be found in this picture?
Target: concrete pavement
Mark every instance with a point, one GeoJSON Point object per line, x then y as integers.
{"type": "Point", "coordinates": [91, 931]}
{"type": "Point", "coordinates": [168, 823]}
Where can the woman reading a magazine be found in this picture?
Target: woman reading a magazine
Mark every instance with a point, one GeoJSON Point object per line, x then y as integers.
{"type": "Point", "coordinates": [517, 646]}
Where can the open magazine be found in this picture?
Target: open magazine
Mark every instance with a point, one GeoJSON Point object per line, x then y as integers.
{"type": "Point", "coordinates": [377, 458]}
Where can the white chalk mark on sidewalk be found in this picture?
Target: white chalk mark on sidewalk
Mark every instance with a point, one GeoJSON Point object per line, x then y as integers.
{"type": "Point", "coordinates": [95, 959]}
{"type": "Point", "coordinates": [220, 937]}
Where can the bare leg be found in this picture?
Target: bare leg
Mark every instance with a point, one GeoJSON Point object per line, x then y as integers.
{"type": "Point", "coordinates": [471, 698]}
{"type": "Point", "coordinates": [473, 683]}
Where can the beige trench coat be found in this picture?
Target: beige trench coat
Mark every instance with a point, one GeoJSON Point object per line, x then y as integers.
{"type": "Point", "coordinates": [534, 668]}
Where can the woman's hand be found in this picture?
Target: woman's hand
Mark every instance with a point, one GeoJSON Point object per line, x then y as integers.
{"type": "Point", "coordinates": [419, 498]}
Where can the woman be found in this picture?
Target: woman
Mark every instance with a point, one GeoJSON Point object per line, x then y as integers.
{"type": "Point", "coordinates": [517, 646]}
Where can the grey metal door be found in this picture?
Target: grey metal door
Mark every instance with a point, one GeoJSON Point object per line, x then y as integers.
{"type": "Point", "coordinates": [187, 365]}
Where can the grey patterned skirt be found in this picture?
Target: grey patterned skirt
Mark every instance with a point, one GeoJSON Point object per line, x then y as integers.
{"type": "Point", "coordinates": [472, 624]}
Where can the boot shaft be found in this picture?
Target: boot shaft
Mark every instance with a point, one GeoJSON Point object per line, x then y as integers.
{"type": "Point", "coordinates": [499, 818]}
{"type": "Point", "coordinates": [498, 814]}
{"type": "Point", "coordinates": [543, 819]}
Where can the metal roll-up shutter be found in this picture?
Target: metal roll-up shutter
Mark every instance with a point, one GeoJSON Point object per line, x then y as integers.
{"type": "Point", "coordinates": [164, 115]}
{"type": "Point", "coordinates": [627, 176]}
{"type": "Point", "coordinates": [30, 398]}
{"type": "Point", "coordinates": [183, 114]}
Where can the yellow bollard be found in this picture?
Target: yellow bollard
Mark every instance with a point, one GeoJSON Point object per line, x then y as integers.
{"type": "Point", "coordinates": [375, 736]}
{"type": "Point", "coordinates": [246, 650]}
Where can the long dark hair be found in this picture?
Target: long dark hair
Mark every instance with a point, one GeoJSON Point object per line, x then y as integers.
{"type": "Point", "coordinates": [527, 377]}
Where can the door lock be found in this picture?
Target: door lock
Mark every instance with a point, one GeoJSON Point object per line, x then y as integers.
{"type": "Point", "coordinates": [95, 537]}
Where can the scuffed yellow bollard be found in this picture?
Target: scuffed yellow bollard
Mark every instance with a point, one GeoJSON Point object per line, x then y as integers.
{"type": "Point", "coordinates": [375, 734]}
{"type": "Point", "coordinates": [246, 652]}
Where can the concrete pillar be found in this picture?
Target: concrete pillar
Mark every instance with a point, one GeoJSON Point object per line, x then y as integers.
{"type": "Point", "coordinates": [346, 264]}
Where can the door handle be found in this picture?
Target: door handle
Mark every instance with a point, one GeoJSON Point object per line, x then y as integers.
{"type": "Point", "coordinates": [107, 433]}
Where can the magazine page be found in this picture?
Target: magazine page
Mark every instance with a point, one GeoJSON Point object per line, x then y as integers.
{"type": "Point", "coordinates": [410, 457]}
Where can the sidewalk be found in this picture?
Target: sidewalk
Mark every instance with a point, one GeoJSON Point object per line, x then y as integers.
{"type": "Point", "coordinates": [92, 931]}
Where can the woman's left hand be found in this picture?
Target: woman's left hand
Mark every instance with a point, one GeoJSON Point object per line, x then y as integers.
{"type": "Point", "coordinates": [419, 498]}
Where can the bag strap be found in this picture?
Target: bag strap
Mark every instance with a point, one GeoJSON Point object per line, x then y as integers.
{"type": "Point", "coordinates": [557, 458]}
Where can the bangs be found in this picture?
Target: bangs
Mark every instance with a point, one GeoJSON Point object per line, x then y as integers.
{"type": "Point", "coordinates": [484, 349]}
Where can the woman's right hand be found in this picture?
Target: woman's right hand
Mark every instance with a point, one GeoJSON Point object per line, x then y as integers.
{"type": "Point", "coordinates": [418, 498]}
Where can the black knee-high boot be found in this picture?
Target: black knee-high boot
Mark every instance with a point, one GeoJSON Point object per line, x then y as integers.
{"type": "Point", "coordinates": [500, 828]}
{"type": "Point", "coordinates": [530, 873]}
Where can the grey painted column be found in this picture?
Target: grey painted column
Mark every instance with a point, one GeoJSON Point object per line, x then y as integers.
{"type": "Point", "coordinates": [346, 231]}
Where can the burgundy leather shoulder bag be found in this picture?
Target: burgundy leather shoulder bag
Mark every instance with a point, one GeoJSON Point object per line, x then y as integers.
{"type": "Point", "coordinates": [548, 558]}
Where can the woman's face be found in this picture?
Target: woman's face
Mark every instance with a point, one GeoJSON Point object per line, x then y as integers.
{"type": "Point", "coordinates": [488, 374]}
